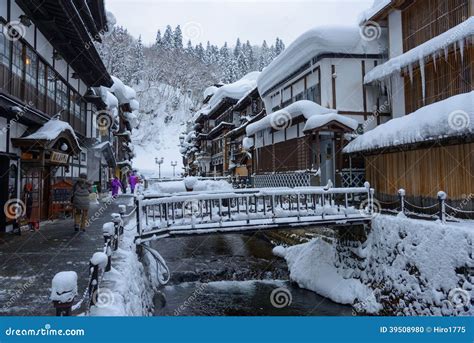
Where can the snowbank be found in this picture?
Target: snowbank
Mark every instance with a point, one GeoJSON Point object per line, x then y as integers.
{"type": "Point", "coordinates": [308, 109]}
{"type": "Point", "coordinates": [451, 117]}
{"type": "Point", "coordinates": [432, 47]}
{"type": "Point", "coordinates": [312, 266]}
{"type": "Point", "coordinates": [235, 90]}
{"type": "Point", "coordinates": [313, 43]}
{"type": "Point", "coordinates": [411, 267]}
{"type": "Point", "coordinates": [126, 290]}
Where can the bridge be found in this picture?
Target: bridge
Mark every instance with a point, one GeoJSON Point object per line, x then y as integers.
{"type": "Point", "coordinates": [246, 210]}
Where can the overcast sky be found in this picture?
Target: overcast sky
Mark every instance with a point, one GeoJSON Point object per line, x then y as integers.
{"type": "Point", "coordinates": [225, 20]}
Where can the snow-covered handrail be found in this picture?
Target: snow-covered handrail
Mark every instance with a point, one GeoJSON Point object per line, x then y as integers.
{"type": "Point", "coordinates": [211, 212]}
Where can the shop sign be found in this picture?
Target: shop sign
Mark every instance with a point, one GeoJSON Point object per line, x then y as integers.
{"type": "Point", "coordinates": [60, 158]}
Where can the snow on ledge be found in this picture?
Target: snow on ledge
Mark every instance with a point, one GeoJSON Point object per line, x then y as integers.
{"type": "Point", "coordinates": [451, 117]}
{"type": "Point", "coordinates": [377, 6]}
{"type": "Point", "coordinates": [313, 43]}
{"type": "Point", "coordinates": [51, 130]}
{"type": "Point", "coordinates": [306, 108]}
{"type": "Point", "coordinates": [317, 121]}
{"type": "Point", "coordinates": [443, 41]}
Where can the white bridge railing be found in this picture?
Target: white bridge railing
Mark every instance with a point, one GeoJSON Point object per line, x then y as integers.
{"type": "Point", "coordinates": [164, 215]}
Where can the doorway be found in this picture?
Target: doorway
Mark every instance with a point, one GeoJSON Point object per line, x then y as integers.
{"type": "Point", "coordinates": [326, 159]}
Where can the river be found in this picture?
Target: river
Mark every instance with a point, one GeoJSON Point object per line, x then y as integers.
{"type": "Point", "coordinates": [234, 274]}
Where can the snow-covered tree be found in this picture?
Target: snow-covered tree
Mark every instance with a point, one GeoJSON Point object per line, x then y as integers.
{"type": "Point", "coordinates": [178, 38]}
{"type": "Point", "coordinates": [167, 40]}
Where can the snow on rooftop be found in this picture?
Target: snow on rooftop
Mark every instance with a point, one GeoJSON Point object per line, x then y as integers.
{"type": "Point", "coordinates": [64, 287]}
{"type": "Point", "coordinates": [454, 35]}
{"type": "Point", "coordinates": [123, 92]}
{"type": "Point", "coordinates": [315, 42]}
{"type": "Point", "coordinates": [306, 108]}
{"type": "Point", "coordinates": [377, 6]}
{"type": "Point", "coordinates": [314, 122]}
{"type": "Point", "coordinates": [235, 90]}
{"type": "Point", "coordinates": [51, 130]}
{"type": "Point", "coordinates": [451, 117]}
{"type": "Point", "coordinates": [209, 91]}
{"type": "Point", "coordinates": [108, 98]}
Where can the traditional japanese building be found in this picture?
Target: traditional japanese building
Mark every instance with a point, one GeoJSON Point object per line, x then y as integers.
{"type": "Point", "coordinates": [324, 67]}
{"type": "Point", "coordinates": [48, 67]}
{"type": "Point", "coordinates": [428, 146]}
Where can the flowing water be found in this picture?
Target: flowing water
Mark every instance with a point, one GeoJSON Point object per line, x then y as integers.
{"type": "Point", "coordinates": [233, 275]}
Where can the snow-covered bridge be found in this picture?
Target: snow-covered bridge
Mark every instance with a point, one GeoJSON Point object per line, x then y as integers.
{"type": "Point", "coordinates": [209, 212]}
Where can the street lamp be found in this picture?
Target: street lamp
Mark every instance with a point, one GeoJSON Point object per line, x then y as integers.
{"type": "Point", "coordinates": [159, 162]}
{"type": "Point", "coordinates": [174, 164]}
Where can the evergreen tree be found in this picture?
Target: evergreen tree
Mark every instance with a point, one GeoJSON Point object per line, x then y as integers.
{"type": "Point", "coordinates": [264, 56]}
{"type": "Point", "coordinates": [279, 46]}
{"type": "Point", "coordinates": [167, 41]}
{"type": "Point", "coordinates": [199, 52]}
{"type": "Point", "coordinates": [189, 48]}
{"type": "Point", "coordinates": [178, 38]}
{"type": "Point", "coordinates": [138, 61]}
{"type": "Point", "coordinates": [158, 40]}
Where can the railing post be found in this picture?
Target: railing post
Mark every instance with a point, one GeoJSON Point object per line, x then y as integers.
{"type": "Point", "coordinates": [117, 220]}
{"type": "Point", "coordinates": [98, 261]}
{"type": "Point", "coordinates": [401, 195]}
{"type": "Point", "coordinates": [108, 231]}
{"type": "Point", "coordinates": [442, 196]}
{"type": "Point", "coordinates": [63, 292]}
{"type": "Point", "coordinates": [247, 209]}
{"type": "Point", "coordinates": [138, 214]}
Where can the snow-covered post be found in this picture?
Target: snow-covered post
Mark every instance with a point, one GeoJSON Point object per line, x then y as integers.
{"type": "Point", "coordinates": [401, 195]}
{"type": "Point", "coordinates": [108, 230]}
{"type": "Point", "coordinates": [442, 206]}
{"type": "Point", "coordinates": [118, 224]}
{"type": "Point", "coordinates": [98, 261]}
{"type": "Point", "coordinates": [63, 291]}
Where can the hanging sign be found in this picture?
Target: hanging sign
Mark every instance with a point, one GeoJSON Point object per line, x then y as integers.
{"type": "Point", "coordinates": [60, 158]}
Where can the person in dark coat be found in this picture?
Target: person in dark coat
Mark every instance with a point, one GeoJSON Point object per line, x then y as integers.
{"type": "Point", "coordinates": [80, 202]}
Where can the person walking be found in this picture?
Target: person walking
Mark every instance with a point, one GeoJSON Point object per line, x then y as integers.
{"type": "Point", "coordinates": [80, 202]}
{"type": "Point", "coordinates": [132, 180]}
{"type": "Point", "coordinates": [115, 185]}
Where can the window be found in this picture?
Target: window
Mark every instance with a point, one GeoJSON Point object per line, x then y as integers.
{"type": "Point", "coordinates": [62, 95]}
{"type": "Point", "coordinates": [31, 66]}
{"type": "Point", "coordinates": [313, 94]}
{"type": "Point", "coordinates": [17, 66]}
{"type": "Point", "coordinates": [4, 49]}
{"type": "Point", "coordinates": [42, 78]}
{"type": "Point", "coordinates": [299, 97]}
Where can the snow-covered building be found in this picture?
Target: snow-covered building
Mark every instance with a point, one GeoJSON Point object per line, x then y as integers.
{"type": "Point", "coordinates": [320, 74]}
{"type": "Point", "coordinates": [48, 65]}
{"type": "Point", "coordinates": [428, 145]}
{"type": "Point", "coordinates": [211, 152]}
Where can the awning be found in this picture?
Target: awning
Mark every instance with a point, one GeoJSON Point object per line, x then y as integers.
{"type": "Point", "coordinates": [107, 150]}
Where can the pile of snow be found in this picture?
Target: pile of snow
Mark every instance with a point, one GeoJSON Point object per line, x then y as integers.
{"type": "Point", "coordinates": [312, 267]}
{"type": "Point", "coordinates": [377, 6]}
{"type": "Point", "coordinates": [235, 90]}
{"type": "Point", "coordinates": [51, 130]}
{"type": "Point", "coordinates": [283, 117]}
{"type": "Point", "coordinates": [451, 117]}
{"type": "Point", "coordinates": [64, 287]}
{"type": "Point", "coordinates": [209, 91]}
{"type": "Point", "coordinates": [313, 43]}
{"type": "Point", "coordinates": [433, 47]}
{"type": "Point", "coordinates": [247, 143]}
{"type": "Point", "coordinates": [170, 187]}
{"type": "Point", "coordinates": [411, 267]}
{"type": "Point", "coordinates": [126, 290]}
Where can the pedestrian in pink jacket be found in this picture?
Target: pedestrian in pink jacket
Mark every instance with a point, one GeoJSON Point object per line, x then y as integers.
{"type": "Point", "coordinates": [115, 185]}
